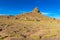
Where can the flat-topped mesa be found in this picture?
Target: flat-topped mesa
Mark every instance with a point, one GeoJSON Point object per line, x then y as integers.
{"type": "Point", "coordinates": [36, 10]}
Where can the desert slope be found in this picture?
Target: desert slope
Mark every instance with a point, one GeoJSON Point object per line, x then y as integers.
{"type": "Point", "coordinates": [29, 26]}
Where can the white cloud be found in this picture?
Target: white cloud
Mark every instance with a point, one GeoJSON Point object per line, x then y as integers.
{"type": "Point", "coordinates": [53, 15]}
{"type": "Point", "coordinates": [3, 14]}
{"type": "Point", "coordinates": [56, 16]}
{"type": "Point", "coordinates": [45, 13]}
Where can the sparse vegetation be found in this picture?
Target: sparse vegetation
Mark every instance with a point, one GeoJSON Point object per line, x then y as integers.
{"type": "Point", "coordinates": [29, 26]}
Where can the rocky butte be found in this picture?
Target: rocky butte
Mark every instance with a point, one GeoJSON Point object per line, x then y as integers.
{"type": "Point", "coordinates": [29, 26]}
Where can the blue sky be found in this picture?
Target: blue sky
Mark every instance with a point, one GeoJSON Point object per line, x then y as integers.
{"type": "Point", "coordinates": [49, 8]}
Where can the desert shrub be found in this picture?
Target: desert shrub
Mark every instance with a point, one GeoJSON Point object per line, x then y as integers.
{"type": "Point", "coordinates": [54, 18]}
{"type": "Point", "coordinates": [16, 18]}
{"type": "Point", "coordinates": [8, 17]}
{"type": "Point", "coordinates": [37, 19]}
{"type": "Point", "coordinates": [3, 24]}
{"type": "Point", "coordinates": [0, 35]}
{"type": "Point", "coordinates": [1, 39]}
{"type": "Point", "coordinates": [8, 25]}
{"type": "Point", "coordinates": [33, 37]}
{"type": "Point", "coordinates": [23, 36]}
{"type": "Point", "coordinates": [4, 37]}
{"type": "Point", "coordinates": [1, 29]}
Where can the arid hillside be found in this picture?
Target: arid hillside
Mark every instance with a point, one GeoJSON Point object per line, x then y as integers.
{"type": "Point", "coordinates": [29, 26]}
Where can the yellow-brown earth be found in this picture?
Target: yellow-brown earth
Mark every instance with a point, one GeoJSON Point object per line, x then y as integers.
{"type": "Point", "coordinates": [29, 26]}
